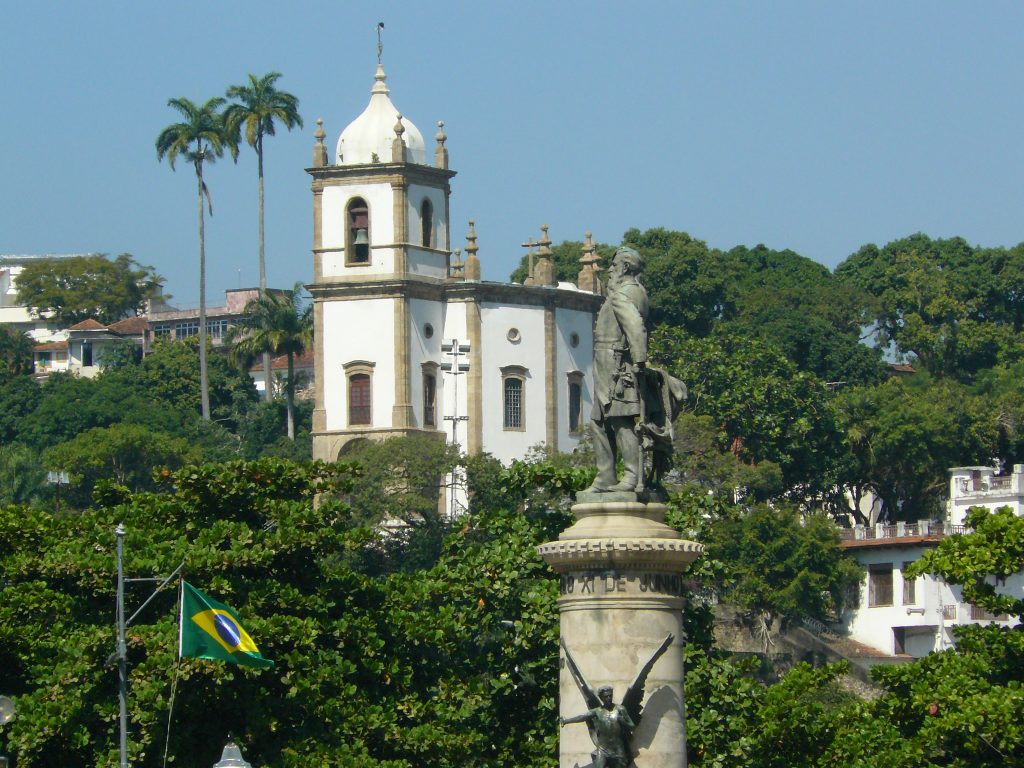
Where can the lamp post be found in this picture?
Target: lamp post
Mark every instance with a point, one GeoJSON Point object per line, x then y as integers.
{"type": "Point", "coordinates": [231, 757]}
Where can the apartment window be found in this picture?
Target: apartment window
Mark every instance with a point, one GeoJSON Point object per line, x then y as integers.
{"type": "Point", "coordinates": [427, 223]}
{"type": "Point", "coordinates": [513, 385]}
{"type": "Point", "coordinates": [575, 402]}
{"type": "Point", "coordinates": [187, 329]}
{"type": "Point", "coordinates": [87, 361]}
{"type": "Point", "coordinates": [879, 585]}
{"type": "Point", "coordinates": [357, 237]}
{"type": "Point", "coordinates": [430, 394]}
{"type": "Point", "coordinates": [217, 329]}
{"type": "Point", "coordinates": [44, 359]}
{"type": "Point", "coordinates": [359, 375]}
{"type": "Point", "coordinates": [162, 331]}
{"type": "Point", "coordinates": [909, 587]}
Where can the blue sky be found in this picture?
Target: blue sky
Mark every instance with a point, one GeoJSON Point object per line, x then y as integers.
{"type": "Point", "coordinates": [813, 126]}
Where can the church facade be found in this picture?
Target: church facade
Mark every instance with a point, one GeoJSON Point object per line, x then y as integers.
{"type": "Point", "coordinates": [408, 338]}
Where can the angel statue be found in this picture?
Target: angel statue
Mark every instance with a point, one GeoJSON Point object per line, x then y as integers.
{"type": "Point", "coordinates": [611, 725]}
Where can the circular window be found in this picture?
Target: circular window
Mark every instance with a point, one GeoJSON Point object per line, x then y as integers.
{"type": "Point", "coordinates": [574, 340]}
{"type": "Point", "coordinates": [428, 330]}
{"type": "Point", "coordinates": [513, 335]}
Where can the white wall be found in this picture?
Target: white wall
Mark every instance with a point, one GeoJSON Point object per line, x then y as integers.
{"type": "Point", "coordinates": [498, 352]}
{"type": "Point", "coordinates": [569, 358]}
{"type": "Point", "coordinates": [423, 350]}
{"type": "Point", "coordinates": [358, 330]}
{"type": "Point", "coordinates": [453, 390]}
{"type": "Point", "coordinates": [380, 200]}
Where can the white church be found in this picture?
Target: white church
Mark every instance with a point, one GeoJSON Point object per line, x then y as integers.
{"type": "Point", "coordinates": [408, 338]}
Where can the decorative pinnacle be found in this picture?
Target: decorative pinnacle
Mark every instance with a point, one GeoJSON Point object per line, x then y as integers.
{"type": "Point", "coordinates": [380, 42]}
{"type": "Point", "coordinates": [441, 137]}
{"type": "Point", "coordinates": [319, 134]}
{"type": "Point", "coordinates": [399, 128]}
{"type": "Point", "coordinates": [471, 246]}
{"type": "Point", "coordinates": [589, 250]}
{"type": "Point", "coordinates": [544, 241]}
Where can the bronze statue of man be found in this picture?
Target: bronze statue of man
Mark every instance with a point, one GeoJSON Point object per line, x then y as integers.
{"type": "Point", "coordinates": [620, 356]}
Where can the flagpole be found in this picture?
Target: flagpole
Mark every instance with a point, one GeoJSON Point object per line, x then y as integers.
{"type": "Point", "coordinates": [177, 669]}
{"type": "Point", "coordinates": [122, 660]}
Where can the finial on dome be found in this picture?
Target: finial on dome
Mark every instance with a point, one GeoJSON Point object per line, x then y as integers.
{"type": "Point", "coordinates": [319, 150]}
{"type": "Point", "coordinates": [472, 268]}
{"type": "Point", "coordinates": [441, 153]}
{"type": "Point", "coordinates": [380, 42]}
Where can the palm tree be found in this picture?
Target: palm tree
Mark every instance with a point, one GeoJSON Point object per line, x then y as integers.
{"type": "Point", "coordinates": [259, 105]}
{"type": "Point", "coordinates": [276, 323]}
{"type": "Point", "coordinates": [200, 138]}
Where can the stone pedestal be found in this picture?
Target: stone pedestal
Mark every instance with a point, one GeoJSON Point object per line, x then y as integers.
{"type": "Point", "coordinates": [620, 594]}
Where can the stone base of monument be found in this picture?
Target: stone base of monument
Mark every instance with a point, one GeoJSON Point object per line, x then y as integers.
{"type": "Point", "coordinates": [620, 596]}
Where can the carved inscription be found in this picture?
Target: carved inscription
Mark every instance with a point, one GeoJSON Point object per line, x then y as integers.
{"type": "Point", "coordinates": [611, 582]}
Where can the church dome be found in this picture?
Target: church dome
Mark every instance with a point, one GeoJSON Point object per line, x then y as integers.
{"type": "Point", "coordinates": [373, 132]}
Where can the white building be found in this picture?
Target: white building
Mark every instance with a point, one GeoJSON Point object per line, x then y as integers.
{"type": "Point", "coordinates": [896, 615]}
{"type": "Point", "coordinates": [409, 339]}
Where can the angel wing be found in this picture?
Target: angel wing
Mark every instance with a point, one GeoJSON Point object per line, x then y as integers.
{"type": "Point", "coordinates": [589, 694]}
{"type": "Point", "coordinates": [633, 699]}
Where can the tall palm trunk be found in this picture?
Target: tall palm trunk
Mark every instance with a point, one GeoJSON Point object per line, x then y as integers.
{"type": "Point", "coordinates": [204, 384]}
{"type": "Point", "coordinates": [290, 396]}
{"type": "Point", "coordinates": [268, 390]}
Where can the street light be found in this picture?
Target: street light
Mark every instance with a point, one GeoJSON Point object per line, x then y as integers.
{"type": "Point", "coordinates": [230, 758]}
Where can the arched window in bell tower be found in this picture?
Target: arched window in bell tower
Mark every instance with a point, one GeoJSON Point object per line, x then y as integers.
{"type": "Point", "coordinates": [427, 223]}
{"type": "Point", "coordinates": [357, 233]}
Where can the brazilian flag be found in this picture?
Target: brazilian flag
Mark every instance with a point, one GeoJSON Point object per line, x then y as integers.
{"type": "Point", "coordinates": [210, 630]}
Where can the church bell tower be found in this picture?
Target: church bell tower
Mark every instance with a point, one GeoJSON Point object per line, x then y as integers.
{"type": "Point", "coordinates": [381, 246]}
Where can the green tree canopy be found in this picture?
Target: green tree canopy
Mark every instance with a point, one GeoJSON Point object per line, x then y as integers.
{"type": "Point", "coordinates": [953, 307]}
{"type": "Point", "coordinates": [15, 353]}
{"type": "Point", "coordinates": [73, 289]}
{"type": "Point", "coordinates": [763, 408]}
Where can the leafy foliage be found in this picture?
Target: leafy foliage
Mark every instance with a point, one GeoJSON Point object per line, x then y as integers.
{"type": "Point", "coordinates": [75, 289]}
{"type": "Point", "coordinates": [15, 353]}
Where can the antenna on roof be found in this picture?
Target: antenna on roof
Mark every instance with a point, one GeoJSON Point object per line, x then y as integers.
{"type": "Point", "coordinates": [380, 43]}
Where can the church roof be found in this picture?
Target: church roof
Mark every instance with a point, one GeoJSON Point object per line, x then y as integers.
{"type": "Point", "coordinates": [372, 133]}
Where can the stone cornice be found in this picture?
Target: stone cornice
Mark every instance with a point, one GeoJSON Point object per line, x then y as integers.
{"type": "Point", "coordinates": [620, 553]}
{"type": "Point", "coordinates": [529, 295]}
{"type": "Point", "coordinates": [377, 173]}
{"type": "Point", "coordinates": [389, 286]}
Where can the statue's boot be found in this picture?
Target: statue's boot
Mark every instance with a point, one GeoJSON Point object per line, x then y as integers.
{"type": "Point", "coordinates": [627, 483]}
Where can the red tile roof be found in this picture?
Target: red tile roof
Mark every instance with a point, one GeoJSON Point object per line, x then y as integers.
{"type": "Point", "coordinates": [51, 345]}
{"type": "Point", "coordinates": [88, 325]}
{"type": "Point", "coordinates": [130, 325]}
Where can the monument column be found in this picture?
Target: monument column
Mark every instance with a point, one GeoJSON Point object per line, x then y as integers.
{"type": "Point", "coordinates": [620, 597]}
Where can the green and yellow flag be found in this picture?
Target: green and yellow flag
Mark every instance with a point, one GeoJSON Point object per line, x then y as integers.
{"type": "Point", "coordinates": [210, 630]}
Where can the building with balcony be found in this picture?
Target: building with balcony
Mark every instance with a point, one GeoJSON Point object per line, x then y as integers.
{"type": "Point", "coordinates": [897, 615]}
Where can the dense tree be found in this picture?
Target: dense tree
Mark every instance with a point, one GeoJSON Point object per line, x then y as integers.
{"type": "Point", "coordinates": [952, 307]}
{"type": "Point", "coordinates": [763, 408]}
{"type": "Point", "coordinates": [71, 290]}
{"type": "Point", "coordinates": [200, 138]}
{"type": "Point", "coordinates": [127, 454]}
{"type": "Point", "coordinates": [259, 106]}
{"type": "Point", "coordinates": [19, 396]}
{"type": "Point", "coordinates": [277, 323]}
{"type": "Point", "coordinates": [901, 437]}
{"type": "Point", "coordinates": [691, 287]}
{"type": "Point", "coordinates": [452, 665]}
{"type": "Point", "coordinates": [22, 475]}
{"type": "Point", "coordinates": [15, 353]}
{"type": "Point", "coordinates": [780, 567]}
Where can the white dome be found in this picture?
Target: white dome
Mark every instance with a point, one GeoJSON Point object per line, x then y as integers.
{"type": "Point", "coordinates": [374, 130]}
